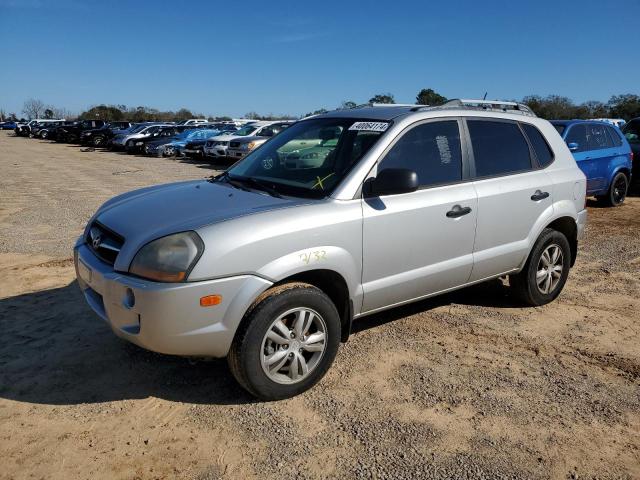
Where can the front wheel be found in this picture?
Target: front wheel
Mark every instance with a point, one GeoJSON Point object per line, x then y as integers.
{"type": "Point", "coordinates": [617, 191]}
{"type": "Point", "coordinates": [286, 343]}
{"type": "Point", "coordinates": [546, 271]}
{"type": "Point", "coordinates": [98, 141]}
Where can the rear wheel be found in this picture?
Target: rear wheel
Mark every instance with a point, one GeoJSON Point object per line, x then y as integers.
{"type": "Point", "coordinates": [617, 191]}
{"type": "Point", "coordinates": [546, 271]}
{"type": "Point", "coordinates": [286, 343]}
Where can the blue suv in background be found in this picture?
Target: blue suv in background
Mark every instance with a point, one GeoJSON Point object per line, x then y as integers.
{"type": "Point", "coordinates": [603, 154]}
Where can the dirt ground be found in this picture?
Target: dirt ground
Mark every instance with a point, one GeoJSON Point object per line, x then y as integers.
{"type": "Point", "coordinates": [469, 385]}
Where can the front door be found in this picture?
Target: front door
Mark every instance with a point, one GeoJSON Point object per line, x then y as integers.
{"type": "Point", "coordinates": [420, 243]}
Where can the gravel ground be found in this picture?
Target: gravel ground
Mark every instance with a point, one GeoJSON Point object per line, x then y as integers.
{"type": "Point", "coordinates": [468, 385]}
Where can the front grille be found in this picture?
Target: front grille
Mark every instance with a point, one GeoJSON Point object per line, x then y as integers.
{"type": "Point", "coordinates": [104, 243]}
{"type": "Point", "coordinates": [234, 144]}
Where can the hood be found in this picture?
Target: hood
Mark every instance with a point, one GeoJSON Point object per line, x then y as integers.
{"type": "Point", "coordinates": [144, 215]}
{"type": "Point", "coordinates": [225, 138]}
{"type": "Point", "coordinates": [250, 138]}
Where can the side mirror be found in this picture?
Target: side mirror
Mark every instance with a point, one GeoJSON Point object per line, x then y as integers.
{"type": "Point", "coordinates": [573, 146]}
{"type": "Point", "coordinates": [391, 181]}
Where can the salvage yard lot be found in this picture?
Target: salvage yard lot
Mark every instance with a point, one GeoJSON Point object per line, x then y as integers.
{"type": "Point", "coordinates": [467, 385]}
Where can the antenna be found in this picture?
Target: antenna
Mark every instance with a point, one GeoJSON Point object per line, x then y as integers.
{"type": "Point", "coordinates": [485, 96]}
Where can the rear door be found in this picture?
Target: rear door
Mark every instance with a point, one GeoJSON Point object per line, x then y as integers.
{"type": "Point", "coordinates": [420, 243]}
{"type": "Point", "coordinates": [513, 195]}
{"type": "Point", "coordinates": [601, 152]}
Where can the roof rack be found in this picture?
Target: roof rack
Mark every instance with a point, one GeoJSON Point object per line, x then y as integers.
{"type": "Point", "coordinates": [491, 105]}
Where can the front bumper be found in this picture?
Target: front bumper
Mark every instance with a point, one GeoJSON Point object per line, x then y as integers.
{"type": "Point", "coordinates": [581, 223]}
{"type": "Point", "coordinates": [237, 153]}
{"type": "Point", "coordinates": [215, 151]}
{"type": "Point", "coordinates": [166, 317]}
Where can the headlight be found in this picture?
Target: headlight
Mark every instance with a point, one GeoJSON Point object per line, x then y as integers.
{"type": "Point", "coordinates": [250, 145]}
{"type": "Point", "coordinates": [86, 133]}
{"type": "Point", "coordinates": [168, 259]}
{"type": "Point", "coordinates": [139, 143]}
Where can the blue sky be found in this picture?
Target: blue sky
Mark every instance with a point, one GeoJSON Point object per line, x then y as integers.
{"type": "Point", "coordinates": [296, 56]}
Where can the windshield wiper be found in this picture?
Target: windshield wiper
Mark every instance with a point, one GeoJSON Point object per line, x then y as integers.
{"type": "Point", "coordinates": [256, 183]}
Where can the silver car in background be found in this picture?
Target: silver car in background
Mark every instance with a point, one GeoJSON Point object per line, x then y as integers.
{"type": "Point", "coordinates": [240, 147]}
{"type": "Point", "coordinates": [339, 216]}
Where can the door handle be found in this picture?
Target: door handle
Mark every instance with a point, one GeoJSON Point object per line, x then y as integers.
{"type": "Point", "coordinates": [458, 211]}
{"type": "Point", "coordinates": [539, 195]}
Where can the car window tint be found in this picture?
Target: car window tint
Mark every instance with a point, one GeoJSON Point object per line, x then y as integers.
{"type": "Point", "coordinates": [597, 137]}
{"type": "Point", "coordinates": [499, 148]}
{"type": "Point", "coordinates": [615, 136]}
{"type": "Point", "coordinates": [578, 134]}
{"type": "Point", "coordinates": [432, 150]}
{"type": "Point", "coordinates": [540, 146]}
{"type": "Point", "coordinates": [632, 131]}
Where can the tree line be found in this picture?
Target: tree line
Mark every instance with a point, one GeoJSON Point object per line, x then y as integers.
{"type": "Point", "coordinates": [624, 106]}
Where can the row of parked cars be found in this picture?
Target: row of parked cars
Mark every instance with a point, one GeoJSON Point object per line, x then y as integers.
{"type": "Point", "coordinates": [603, 150]}
{"type": "Point", "coordinates": [195, 137]}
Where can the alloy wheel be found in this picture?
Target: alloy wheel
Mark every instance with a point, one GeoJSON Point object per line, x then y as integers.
{"type": "Point", "coordinates": [619, 190]}
{"type": "Point", "coordinates": [293, 345]}
{"type": "Point", "coordinates": [550, 267]}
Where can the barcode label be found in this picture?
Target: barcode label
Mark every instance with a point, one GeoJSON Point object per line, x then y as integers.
{"type": "Point", "coordinates": [370, 126]}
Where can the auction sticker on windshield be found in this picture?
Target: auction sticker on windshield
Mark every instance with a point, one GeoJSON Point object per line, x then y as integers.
{"type": "Point", "coordinates": [370, 126]}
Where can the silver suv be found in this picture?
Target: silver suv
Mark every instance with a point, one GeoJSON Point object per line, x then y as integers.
{"type": "Point", "coordinates": [339, 216]}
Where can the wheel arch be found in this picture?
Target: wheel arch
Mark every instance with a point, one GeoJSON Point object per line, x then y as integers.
{"type": "Point", "coordinates": [334, 285]}
{"type": "Point", "coordinates": [568, 227]}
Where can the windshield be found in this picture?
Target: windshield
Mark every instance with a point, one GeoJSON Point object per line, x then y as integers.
{"type": "Point", "coordinates": [311, 157]}
{"type": "Point", "coordinates": [559, 127]}
{"type": "Point", "coordinates": [246, 130]}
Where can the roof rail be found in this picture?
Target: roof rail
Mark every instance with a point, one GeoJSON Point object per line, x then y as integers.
{"type": "Point", "coordinates": [391, 105]}
{"type": "Point", "coordinates": [492, 105]}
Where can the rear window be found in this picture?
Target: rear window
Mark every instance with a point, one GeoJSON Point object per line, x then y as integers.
{"type": "Point", "coordinates": [597, 137]}
{"type": "Point", "coordinates": [499, 148]}
{"type": "Point", "coordinates": [543, 151]}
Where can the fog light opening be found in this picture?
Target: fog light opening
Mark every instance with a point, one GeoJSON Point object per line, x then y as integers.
{"type": "Point", "coordinates": [129, 298]}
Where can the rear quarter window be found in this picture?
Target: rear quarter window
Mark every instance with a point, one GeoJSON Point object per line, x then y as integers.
{"type": "Point", "coordinates": [499, 148]}
{"type": "Point", "coordinates": [615, 136]}
{"type": "Point", "coordinates": [541, 148]}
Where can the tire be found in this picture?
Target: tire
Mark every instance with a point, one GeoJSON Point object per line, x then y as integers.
{"type": "Point", "coordinates": [97, 141]}
{"type": "Point", "coordinates": [617, 191]}
{"type": "Point", "coordinates": [44, 135]}
{"type": "Point", "coordinates": [525, 285]}
{"type": "Point", "coordinates": [252, 347]}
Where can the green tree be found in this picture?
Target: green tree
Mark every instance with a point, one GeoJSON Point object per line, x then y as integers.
{"type": "Point", "coordinates": [183, 114]}
{"type": "Point", "coordinates": [625, 106]}
{"type": "Point", "coordinates": [382, 98]}
{"type": "Point", "coordinates": [595, 109]}
{"type": "Point", "coordinates": [553, 107]}
{"type": "Point", "coordinates": [428, 96]}
{"type": "Point", "coordinates": [48, 113]}
{"type": "Point", "coordinates": [108, 113]}
{"type": "Point", "coordinates": [348, 104]}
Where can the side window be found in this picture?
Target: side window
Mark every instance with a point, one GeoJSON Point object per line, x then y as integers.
{"type": "Point", "coordinates": [539, 144]}
{"type": "Point", "coordinates": [615, 136]}
{"type": "Point", "coordinates": [578, 134]}
{"type": "Point", "coordinates": [432, 150]}
{"type": "Point", "coordinates": [632, 131]}
{"type": "Point", "coordinates": [597, 137]}
{"type": "Point", "coordinates": [499, 148]}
